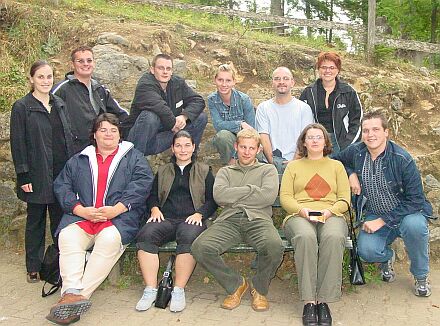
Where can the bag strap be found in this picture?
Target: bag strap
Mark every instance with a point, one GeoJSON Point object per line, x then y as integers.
{"type": "Point", "coordinates": [51, 291]}
{"type": "Point", "coordinates": [350, 224]}
{"type": "Point", "coordinates": [170, 265]}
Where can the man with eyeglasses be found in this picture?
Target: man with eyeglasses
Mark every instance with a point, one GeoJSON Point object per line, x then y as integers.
{"type": "Point", "coordinates": [85, 97]}
{"type": "Point", "coordinates": [163, 104]}
{"type": "Point", "coordinates": [281, 119]}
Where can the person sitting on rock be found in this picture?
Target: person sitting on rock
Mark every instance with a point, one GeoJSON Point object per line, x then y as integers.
{"type": "Point", "coordinates": [281, 119]}
{"type": "Point", "coordinates": [231, 111]}
{"type": "Point", "coordinates": [390, 200]}
{"type": "Point", "coordinates": [85, 97]}
{"type": "Point", "coordinates": [181, 201]}
{"type": "Point", "coordinates": [163, 104]}
{"type": "Point", "coordinates": [246, 192]}
{"type": "Point", "coordinates": [103, 191]}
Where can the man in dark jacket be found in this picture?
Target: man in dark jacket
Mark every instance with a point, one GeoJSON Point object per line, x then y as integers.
{"type": "Point", "coordinates": [163, 104]}
{"type": "Point", "coordinates": [85, 97]}
{"type": "Point", "coordinates": [390, 200]}
{"type": "Point", "coordinates": [103, 192]}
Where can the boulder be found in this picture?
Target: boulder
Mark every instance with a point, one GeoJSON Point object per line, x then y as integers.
{"type": "Point", "coordinates": [112, 38]}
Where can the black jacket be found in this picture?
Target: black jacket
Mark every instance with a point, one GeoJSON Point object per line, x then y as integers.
{"type": "Point", "coordinates": [35, 134]}
{"type": "Point", "coordinates": [76, 96]}
{"type": "Point", "coordinates": [178, 99]}
{"type": "Point", "coordinates": [347, 112]}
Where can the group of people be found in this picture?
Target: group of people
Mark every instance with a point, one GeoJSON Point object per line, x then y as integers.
{"type": "Point", "coordinates": [70, 159]}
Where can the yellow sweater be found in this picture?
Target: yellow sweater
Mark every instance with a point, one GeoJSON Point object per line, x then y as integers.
{"type": "Point", "coordinates": [314, 184]}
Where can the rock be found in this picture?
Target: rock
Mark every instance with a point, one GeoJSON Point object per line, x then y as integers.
{"type": "Point", "coordinates": [117, 70]}
{"type": "Point", "coordinates": [361, 84]}
{"type": "Point", "coordinates": [192, 83]}
{"type": "Point", "coordinates": [192, 44]}
{"type": "Point", "coordinates": [180, 56]}
{"type": "Point", "coordinates": [166, 48]}
{"type": "Point", "coordinates": [202, 68]}
{"type": "Point", "coordinates": [146, 46]}
{"type": "Point", "coordinates": [156, 50]}
{"type": "Point", "coordinates": [221, 53]}
{"type": "Point", "coordinates": [215, 63]}
{"type": "Point", "coordinates": [432, 182]}
{"type": "Point", "coordinates": [112, 38]}
{"type": "Point", "coordinates": [424, 71]}
{"type": "Point", "coordinates": [4, 126]}
{"type": "Point", "coordinates": [179, 67]}
{"type": "Point", "coordinates": [10, 205]}
{"type": "Point", "coordinates": [399, 248]}
{"type": "Point", "coordinates": [396, 103]}
{"type": "Point", "coordinates": [367, 100]}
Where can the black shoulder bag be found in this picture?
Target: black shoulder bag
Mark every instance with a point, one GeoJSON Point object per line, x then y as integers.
{"type": "Point", "coordinates": [50, 270]}
{"type": "Point", "coordinates": [165, 286]}
{"type": "Point", "coordinates": [355, 269]}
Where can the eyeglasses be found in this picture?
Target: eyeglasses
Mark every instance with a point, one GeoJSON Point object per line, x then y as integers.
{"type": "Point", "coordinates": [162, 68]}
{"type": "Point", "coordinates": [83, 61]}
{"type": "Point", "coordinates": [331, 68]}
{"type": "Point", "coordinates": [285, 78]}
{"type": "Point", "coordinates": [317, 137]}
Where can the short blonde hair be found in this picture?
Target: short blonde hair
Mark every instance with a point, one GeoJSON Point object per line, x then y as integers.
{"type": "Point", "coordinates": [249, 133]}
{"type": "Point", "coordinates": [227, 68]}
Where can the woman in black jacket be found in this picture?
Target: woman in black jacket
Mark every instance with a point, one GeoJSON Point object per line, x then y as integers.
{"type": "Point", "coordinates": [41, 143]}
{"type": "Point", "coordinates": [335, 104]}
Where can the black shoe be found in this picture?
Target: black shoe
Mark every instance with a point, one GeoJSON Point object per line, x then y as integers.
{"type": "Point", "coordinates": [324, 315]}
{"type": "Point", "coordinates": [310, 317]}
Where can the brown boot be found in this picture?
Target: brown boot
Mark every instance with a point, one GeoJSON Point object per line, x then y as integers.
{"type": "Point", "coordinates": [69, 305]}
{"type": "Point", "coordinates": [259, 302]}
{"type": "Point", "coordinates": [233, 300]}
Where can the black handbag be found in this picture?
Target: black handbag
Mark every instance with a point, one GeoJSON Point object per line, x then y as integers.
{"type": "Point", "coordinates": [50, 270]}
{"type": "Point", "coordinates": [165, 286]}
{"type": "Point", "coordinates": [355, 268]}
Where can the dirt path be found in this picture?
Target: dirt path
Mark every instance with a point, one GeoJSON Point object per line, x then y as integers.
{"type": "Point", "coordinates": [372, 304]}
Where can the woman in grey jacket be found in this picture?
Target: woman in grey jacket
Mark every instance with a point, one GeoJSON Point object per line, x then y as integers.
{"type": "Point", "coordinates": [334, 103]}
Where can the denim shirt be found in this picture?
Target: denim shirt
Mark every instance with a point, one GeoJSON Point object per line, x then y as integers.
{"type": "Point", "coordinates": [224, 118]}
{"type": "Point", "coordinates": [402, 177]}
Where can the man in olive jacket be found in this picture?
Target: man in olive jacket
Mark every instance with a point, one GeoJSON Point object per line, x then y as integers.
{"type": "Point", "coordinates": [163, 104]}
{"type": "Point", "coordinates": [246, 192]}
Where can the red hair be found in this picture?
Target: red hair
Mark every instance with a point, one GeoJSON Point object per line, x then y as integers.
{"type": "Point", "coordinates": [329, 56]}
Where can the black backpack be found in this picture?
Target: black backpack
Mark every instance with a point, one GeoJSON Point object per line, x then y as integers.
{"type": "Point", "coordinates": [50, 270]}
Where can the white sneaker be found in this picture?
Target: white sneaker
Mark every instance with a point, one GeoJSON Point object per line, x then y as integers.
{"type": "Point", "coordinates": [147, 300]}
{"type": "Point", "coordinates": [178, 301]}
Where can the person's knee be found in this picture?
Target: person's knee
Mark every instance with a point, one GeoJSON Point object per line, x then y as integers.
{"type": "Point", "coordinates": [109, 240]}
{"type": "Point", "coordinates": [200, 247]}
{"type": "Point", "coordinates": [369, 251]}
{"type": "Point", "coordinates": [272, 247]}
{"type": "Point", "coordinates": [202, 119]}
{"type": "Point", "coordinates": [148, 119]}
{"type": "Point", "coordinates": [414, 226]}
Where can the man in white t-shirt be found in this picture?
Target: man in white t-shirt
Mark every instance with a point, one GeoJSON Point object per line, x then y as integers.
{"type": "Point", "coordinates": [281, 119]}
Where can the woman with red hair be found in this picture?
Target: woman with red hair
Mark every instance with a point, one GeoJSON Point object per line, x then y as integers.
{"type": "Point", "coordinates": [334, 103]}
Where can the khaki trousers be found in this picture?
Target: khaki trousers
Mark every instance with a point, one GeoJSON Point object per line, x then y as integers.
{"type": "Point", "coordinates": [73, 243]}
{"type": "Point", "coordinates": [319, 251]}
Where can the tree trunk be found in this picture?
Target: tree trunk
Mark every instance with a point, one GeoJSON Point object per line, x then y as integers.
{"type": "Point", "coordinates": [277, 9]}
{"type": "Point", "coordinates": [308, 14]}
{"type": "Point", "coordinates": [434, 20]}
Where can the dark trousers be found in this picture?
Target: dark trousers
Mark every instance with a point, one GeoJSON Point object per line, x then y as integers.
{"type": "Point", "coordinates": [155, 234]}
{"type": "Point", "coordinates": [149, 137]}
{"type": "Point", "coordinates": [36, 231]}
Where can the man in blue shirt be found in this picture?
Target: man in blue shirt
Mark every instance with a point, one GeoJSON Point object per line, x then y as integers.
{"type": "Point", "coordinates": [391, 200]}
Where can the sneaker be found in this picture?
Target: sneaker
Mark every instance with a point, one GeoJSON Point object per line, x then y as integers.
{"type": "Point", "coordinates": [387, 269]}
{"type": "Point", "coordinates": [422, 288]}
{"type": "Point", "coordinates": [178, 302]}
{"type": "Point", "coordinates": [147, 300]}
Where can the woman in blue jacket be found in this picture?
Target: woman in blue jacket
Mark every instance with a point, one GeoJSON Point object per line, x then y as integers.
{"type": "Point", "coordinates": [103, 191]}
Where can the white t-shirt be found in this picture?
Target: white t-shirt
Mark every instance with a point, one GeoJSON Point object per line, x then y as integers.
{"type": "Point", "coordinates": [283, 123]}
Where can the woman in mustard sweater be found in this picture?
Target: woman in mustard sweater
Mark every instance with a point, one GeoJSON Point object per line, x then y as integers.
{"type": "Point", "coordinates": [313, 192]}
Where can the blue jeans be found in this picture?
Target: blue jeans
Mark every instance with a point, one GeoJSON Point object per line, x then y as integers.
{"type": "Point", "coordinates": [413, 229]}
{"type": "Point", "coordinates": [149, 137]}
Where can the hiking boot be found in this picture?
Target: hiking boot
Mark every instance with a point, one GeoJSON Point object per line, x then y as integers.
{"type": "Point", "coordinates": [147, 300]}
{"type": "Point", "coordinates": [178, 302]}
{"type": "Point", "coordinates": [422, 288]}
{"type": "Point", "coordinates": [387, 269]}
{"type": "Point", "coordinates": [69, 305]}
